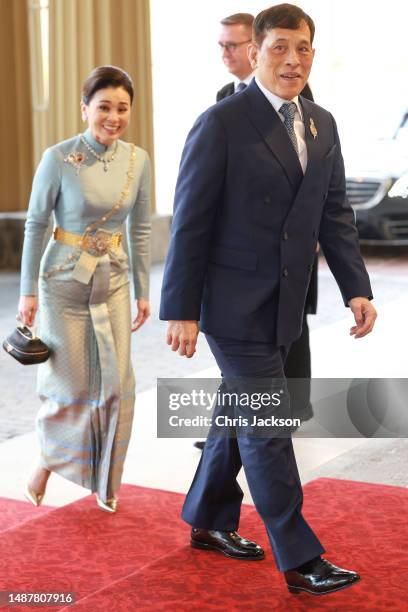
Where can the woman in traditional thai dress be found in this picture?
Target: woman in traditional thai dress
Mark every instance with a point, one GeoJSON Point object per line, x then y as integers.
{"type": "Point", "coordinates": [91, 183]}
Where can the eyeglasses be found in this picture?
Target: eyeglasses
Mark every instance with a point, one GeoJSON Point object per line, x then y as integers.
{"type": "Point", "coordinates": [232, 47]}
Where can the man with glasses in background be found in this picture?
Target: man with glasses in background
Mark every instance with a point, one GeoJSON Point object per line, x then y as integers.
{"type": "Point", "coordinates": [234, 39]}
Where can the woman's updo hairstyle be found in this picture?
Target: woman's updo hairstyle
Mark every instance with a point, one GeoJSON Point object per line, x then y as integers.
{"type": "Point", "coordinates": [106, 76]}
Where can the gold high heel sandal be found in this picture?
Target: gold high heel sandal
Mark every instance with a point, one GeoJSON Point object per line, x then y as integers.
{"type": "Point", "coordinates": [34, 498]}
{"type": "Point", "coordinates": [111, 505]}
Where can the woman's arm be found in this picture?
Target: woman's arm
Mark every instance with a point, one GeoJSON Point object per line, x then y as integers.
{"type": "Point", "coordinates": [45, 190]}
{"type": "Point", "coordinates": [139, 230]}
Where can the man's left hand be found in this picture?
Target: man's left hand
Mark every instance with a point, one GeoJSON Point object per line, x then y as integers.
{"type": "Point", "coordinates": [364, 314]}
{"type": "Point", "coordinates": [143, 313]}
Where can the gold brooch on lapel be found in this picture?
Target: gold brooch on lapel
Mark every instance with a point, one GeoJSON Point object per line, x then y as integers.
{"type": "Point", "coordinates": [312, 128]}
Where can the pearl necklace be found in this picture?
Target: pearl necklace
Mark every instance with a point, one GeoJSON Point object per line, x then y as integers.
{"type": "Point", "coordinates": [105, 160]}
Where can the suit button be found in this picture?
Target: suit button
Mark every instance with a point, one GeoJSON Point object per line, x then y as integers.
{"type": "Point", "coordinates": [285, 272]}
{"type": "Point", "coordinates": [285, 235]}
{"type": "Point", "coordinates": [314, 233]}
{"type": "Point", "coordinates": [267, 200]}
{"type": "Point", "coordinates": [310, 267]}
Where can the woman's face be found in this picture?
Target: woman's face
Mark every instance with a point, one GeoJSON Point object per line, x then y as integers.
{"type": "Point", "coordinates": [107, 114]}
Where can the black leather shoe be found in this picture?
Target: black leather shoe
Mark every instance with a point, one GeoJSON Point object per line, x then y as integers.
{"type": "Point", "coordinates": [199, 444]}
{"type": "Point", "coordinates": [229, 543]}
{"type": "Point", "coordinates": [319, 577]}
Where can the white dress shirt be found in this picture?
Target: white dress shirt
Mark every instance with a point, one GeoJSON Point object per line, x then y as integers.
{"type": "Point", "coordinates": [299, 126]}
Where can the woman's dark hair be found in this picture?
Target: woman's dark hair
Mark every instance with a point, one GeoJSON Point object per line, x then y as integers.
{"type": "Point", "coordinates": [106, 76]}
{"type": "Point", "coordinates": [286, 16]}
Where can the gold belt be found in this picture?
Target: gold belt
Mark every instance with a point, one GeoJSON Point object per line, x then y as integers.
{"type": "Point", "coordinates": [97, 244]}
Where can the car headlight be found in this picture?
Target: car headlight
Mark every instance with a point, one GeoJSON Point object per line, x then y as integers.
{"type": "Point", "coordinates": [399, 188]}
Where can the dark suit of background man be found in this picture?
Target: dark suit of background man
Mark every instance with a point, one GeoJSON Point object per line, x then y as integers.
{"type": "Point", "coordinates": [259, 185]}
{"type": "Point", "coordinates": [234, 40]}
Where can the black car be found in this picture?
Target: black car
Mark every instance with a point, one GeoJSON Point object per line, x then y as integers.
{"type": "Point", "coordinates": [379, 196]}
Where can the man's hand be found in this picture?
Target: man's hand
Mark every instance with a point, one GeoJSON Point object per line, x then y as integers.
{"type": "Point", "coordinates": [182, 336]}
{"type": "Point", "coordinates": [364, 314]}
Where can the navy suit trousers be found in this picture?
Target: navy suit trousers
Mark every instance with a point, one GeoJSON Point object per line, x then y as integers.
{"type": "Point", "coordinates": [214, 499]}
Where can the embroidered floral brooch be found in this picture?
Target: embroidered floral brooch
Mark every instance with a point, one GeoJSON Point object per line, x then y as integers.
{"type": "Point", "coordinates": [76, 159]}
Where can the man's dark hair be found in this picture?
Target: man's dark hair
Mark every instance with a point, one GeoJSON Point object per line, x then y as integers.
{"type": "Point", "coordinates": [286, 16]}
{"type": "Point", "coordinates": [239, 19]}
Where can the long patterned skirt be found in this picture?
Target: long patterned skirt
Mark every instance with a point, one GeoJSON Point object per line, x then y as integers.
{"type": "Point", "coordinates": [87, 387]}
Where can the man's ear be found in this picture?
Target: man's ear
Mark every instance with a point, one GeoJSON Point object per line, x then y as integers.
{"type": "Point", "coordinates": [253, 55]}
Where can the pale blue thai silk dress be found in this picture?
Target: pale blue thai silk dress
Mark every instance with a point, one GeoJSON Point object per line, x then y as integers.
{"type": "Point", "coordinates": [87, 387]}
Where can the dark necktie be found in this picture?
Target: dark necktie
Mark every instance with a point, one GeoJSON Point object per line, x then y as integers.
{"type": "Point", "coordinates": [241, 86]}
{"type": "Point", "coordinates": [288, 110]}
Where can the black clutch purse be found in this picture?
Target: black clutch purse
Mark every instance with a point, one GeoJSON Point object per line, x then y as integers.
{"type": "Point", "coordinates": [24, 346]}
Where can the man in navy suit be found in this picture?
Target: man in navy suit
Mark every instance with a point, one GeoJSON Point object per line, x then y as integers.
{"type": "Point", "coordinates": [234, 39]}
{"type": "Point", "coordinates": [261, 181]}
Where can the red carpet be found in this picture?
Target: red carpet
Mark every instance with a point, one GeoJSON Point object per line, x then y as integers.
{"type": "Point", "coordinates": [14, 512]}
{"type": "Point", "coordinates": [79, 548]}
{"type": "Point", "coordinates": [139, 559]}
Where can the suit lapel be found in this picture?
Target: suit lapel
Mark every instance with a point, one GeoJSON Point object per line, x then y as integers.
{"type": "Point", "coordinates": [316, 147]}
{"type": "Point", "coordinates": [269, 125]}
{"type": "Point", "coordinates": [313, 142]}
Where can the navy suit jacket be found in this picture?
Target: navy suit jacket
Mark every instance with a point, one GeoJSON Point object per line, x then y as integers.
{"type": "Point", "coordinates": [311, 297]}
{"type": "Point", "coordinates": [246, 222]}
